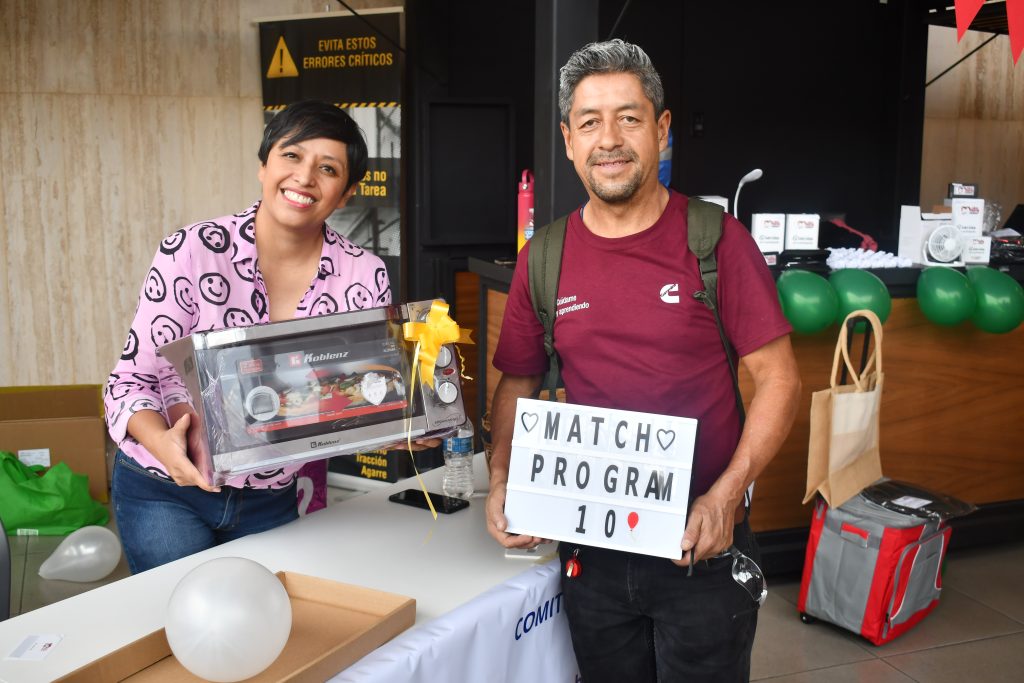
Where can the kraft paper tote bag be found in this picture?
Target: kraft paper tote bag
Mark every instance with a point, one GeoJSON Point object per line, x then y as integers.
{"type": "Point", "coordinates": [843, 455]}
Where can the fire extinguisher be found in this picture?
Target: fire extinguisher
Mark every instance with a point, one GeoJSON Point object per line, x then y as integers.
{"type": "Point", "coordinates": [524, 222]}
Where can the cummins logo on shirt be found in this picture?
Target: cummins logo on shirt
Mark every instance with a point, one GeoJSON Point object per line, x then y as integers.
{"type": "Point", "coordinates": [670, 293]}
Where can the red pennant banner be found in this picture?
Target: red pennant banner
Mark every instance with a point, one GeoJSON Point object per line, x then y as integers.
{"type": "Point", "coordinates": [967, 10]}
{"type": "Point", "coordinates": [1015, 20]}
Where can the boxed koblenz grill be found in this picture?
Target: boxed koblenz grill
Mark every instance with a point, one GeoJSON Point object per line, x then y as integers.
{"type": "Point", "coordinates": [282, 393]}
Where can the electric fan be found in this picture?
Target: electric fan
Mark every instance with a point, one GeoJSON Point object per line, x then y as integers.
{"type": "Point", "coordinates": [944, 246]}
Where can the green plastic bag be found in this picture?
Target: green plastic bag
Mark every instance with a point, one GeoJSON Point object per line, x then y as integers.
{"type": "Point", "coordinates": [53, 502]}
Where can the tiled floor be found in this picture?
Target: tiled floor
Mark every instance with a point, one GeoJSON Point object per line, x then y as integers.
{"type": "Point", "coordinates": [976, 633]}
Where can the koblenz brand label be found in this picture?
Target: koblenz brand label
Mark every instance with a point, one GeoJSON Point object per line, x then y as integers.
{"type": "Point", "coordinates": [321, 357]}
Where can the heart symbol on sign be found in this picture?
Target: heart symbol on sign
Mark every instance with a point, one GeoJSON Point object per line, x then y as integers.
{"type": "Point", "coordinates": [529, 420]}
{"type": "Point", "coordinates": [665, 438]}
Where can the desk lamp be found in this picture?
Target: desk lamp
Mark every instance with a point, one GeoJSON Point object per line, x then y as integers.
{"type": "Point", "coordinates": [749, 178]}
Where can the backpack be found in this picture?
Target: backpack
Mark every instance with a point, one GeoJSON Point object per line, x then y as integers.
{"type": "Point", "coordinates": [704, 229]}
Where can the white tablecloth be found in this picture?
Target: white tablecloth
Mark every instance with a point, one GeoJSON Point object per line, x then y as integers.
{"type": "Point", "coordinates": [479, 616]}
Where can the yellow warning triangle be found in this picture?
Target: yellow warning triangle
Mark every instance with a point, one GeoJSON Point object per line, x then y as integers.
{"type": "Point", "coordinates": [282, 65]}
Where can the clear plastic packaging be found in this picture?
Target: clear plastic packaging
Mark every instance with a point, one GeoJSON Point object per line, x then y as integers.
{"type": "Point", "coordinates": [290, 392]}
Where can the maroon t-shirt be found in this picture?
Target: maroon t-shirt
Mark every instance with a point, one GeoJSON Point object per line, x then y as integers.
{"type": "Point", "coordinates": [631, 336]}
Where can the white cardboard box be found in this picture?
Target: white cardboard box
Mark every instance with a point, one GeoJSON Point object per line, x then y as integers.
{"type": "Point", "coordinates": [802, 230]}
{"type": "Point", "coordinates": [769, 231]}
{"type": "Point", "coordinates": [977, 249]}
{"type": "Point", "coordinates": [969, 216]}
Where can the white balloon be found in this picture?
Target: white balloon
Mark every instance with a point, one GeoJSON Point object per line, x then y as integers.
{"type": "Point", "coordinates": [87, 554]}
{"type": "Point", "coordinates": [228, 619]}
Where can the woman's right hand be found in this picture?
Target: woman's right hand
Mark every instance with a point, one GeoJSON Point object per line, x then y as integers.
{"type": "Point", "coordinates": [171, 451]}
{"type": "Point", "coordinates": [169, 446]}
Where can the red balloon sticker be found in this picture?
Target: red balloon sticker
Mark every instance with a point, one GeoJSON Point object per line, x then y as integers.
{"type": "Point", "coordinates": [632, 520]}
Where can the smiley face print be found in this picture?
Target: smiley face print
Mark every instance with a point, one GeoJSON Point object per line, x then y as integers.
{"type": "Point", "coordinates": [144, 403]}
{"type": "Point", "coordinates": [358, 296]}
{"type": "Point", "coordinates": [215, 288]}
{"type": "Point", "coordinates": [326, 267]}
{"type": "Point", "coordinates": [350, 248]}
{"type": "Point", "coordinates": [246, 269]}
{"type": "Point", "coordinates": [172, 243]}
{"type": "Point", "coordinates": [259, 304]}
{"type": "Point", "coordinates": [131, 347]}
{"type": "Point", "coordinates": [164, 330]}
{"type": "Point", "coordinates": [248, 230]}
{"type": "Point", "coordinates": [324, 305]}
{"type": "Point", "coordinates": [236, 317]}
{"type": "Point", "coordinates": [155, 288]}
{"type": "Point", "coordinates": [380, 281]}
{"type": "Point", "coordinates": [118, 389]}
{"type": "Point", "coordinates": [214, 237]}
{"type": "Point", "coordinates": [147, 380]}
{"type": "Point", "coordinates": [183, 295]}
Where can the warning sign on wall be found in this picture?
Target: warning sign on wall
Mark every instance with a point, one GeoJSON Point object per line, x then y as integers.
{"type": "Point", "coordinates": [342, 59]}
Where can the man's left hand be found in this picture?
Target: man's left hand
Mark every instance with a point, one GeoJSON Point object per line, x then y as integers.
{"type": "Point", "coordinates": [709, 529]}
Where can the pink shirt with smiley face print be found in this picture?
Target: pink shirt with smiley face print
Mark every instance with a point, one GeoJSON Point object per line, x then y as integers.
{"type": "Point", "coordinates": [204, 277]}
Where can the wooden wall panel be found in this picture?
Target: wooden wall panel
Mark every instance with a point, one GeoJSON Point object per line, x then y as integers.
{"type": "Point", "coordinates": [974, 119]}
{"type": "Point", "coordinates": [122, 121]}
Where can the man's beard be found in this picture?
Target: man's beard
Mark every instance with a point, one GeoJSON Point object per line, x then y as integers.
{"type": "Point", "coordinates": [621, 191]}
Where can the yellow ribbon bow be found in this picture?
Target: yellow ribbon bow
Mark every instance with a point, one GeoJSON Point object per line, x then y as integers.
{"type": "Point", "coordinates": [431, 335]}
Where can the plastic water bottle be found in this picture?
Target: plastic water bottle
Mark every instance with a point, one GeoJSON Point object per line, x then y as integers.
{"type": "Point", "coordinates": [458, 463]}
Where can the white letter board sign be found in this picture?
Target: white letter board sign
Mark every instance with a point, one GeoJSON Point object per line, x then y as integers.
{"type": "Point", "coordinates": [609, 478]}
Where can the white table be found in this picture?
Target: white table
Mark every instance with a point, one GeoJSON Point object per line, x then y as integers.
{"type": "Point", "coordinates": [477, 613]}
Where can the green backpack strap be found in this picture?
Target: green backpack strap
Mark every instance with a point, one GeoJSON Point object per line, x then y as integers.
{"type": "Point", "coordinates": [545, 267]}
{"type": "Point", "coordinates": [703, 231]}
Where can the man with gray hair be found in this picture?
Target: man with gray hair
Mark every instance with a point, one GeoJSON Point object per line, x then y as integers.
{"type": "Point", "coordinates": [636, 339]}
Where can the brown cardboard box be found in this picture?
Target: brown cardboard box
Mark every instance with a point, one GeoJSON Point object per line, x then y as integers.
{"type": "Point", "coordinates": [66, 420]}
{"type": "Point", "coordinates": [333, 626]}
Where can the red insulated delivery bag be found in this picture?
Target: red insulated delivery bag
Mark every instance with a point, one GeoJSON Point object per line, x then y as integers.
{"type": "Point", "coordinates": [872, 570]}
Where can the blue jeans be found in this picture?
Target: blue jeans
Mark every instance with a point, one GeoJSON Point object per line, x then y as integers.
{"type": "Point", "coordinates": [641, 618]}
{"type": "Point", "coordinates": [160, 522]}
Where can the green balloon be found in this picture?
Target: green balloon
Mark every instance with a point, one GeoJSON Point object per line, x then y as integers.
{"type": "Point", "coordinates": [859, 289]}
{"type": "Point", "coordinates": [946, 296]}
{"type": "Point", "coordinates": [808, 300]}
{"type": "Point", "coordinates": [1000, 298]}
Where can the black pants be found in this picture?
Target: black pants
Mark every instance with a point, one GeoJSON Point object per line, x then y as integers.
{"type": "Point", "coordinates": [641, 618]}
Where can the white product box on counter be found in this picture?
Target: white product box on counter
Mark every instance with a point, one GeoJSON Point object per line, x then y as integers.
{"type": "Point", "coordinates": [769, 231]}
{"type": "Point", "coordinates": [306, 389]}
{"type": "Point", "coordinates": [977, 249]}
{"type": "Point", "coordinates": [969, 216]}
{"type": "Point", "coordinates": [802, 230]}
